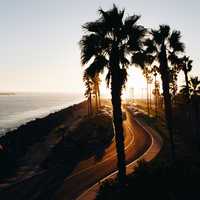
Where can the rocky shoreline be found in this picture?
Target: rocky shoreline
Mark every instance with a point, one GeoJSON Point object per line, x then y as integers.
{"type": "Point", "coordinates": [15, 144]}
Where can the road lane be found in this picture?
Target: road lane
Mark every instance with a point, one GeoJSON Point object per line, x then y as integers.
{"type": "Point", "coordinates": [87, 173]}
{"type": "Point", "coordinates": [72, 187]}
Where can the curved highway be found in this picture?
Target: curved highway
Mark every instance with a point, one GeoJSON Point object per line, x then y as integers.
{"type": "Point", "coordinates": [137, 141]}
{"type": "Point", "coordinates": [86, 173]}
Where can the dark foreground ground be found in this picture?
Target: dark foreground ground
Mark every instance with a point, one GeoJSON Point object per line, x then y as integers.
{"type": "Point", "coordinates": [164, 178]}
{"type": "Point", "coordinates": [60, 142]}
{"type": "Point", "coordinates": [25, 148]}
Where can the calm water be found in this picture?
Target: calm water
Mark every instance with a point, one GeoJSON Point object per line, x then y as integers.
{"type": "Point", "coordinates": [21, 108]}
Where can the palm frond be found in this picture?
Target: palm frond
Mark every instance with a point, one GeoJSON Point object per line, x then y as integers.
{"type": "Point", "coordinates": [195, 82]}
{"type": "Point", "coordinates": [157, 37]}
{"type": "Point", "coordinates": [174, 42]}
{"type": "Point", "coordinates": [95, 27]}
{"type": "Point", "coordinates": [123, 51]}
{"type": "Point", "coordinates": [123, 77]}
{"type": "Point", "coordinates": [136, 35]}
{"type": "Point", "coordinates": [174, 59]}
{"type": "Point", "coordinates": [130, 21]}
{"type": "Point", "coordinates": [142, 59]}
{"type": "Point", "coordinates": [90, 46]}
{"type": "Point", "coordinates": [150, 46]}
{"type": "Point", "coordinates": [164, 30]}
{"type": "Point", "coordinates": [108, 78]}
{"type": "Point", "coordinates": [189, 65]}
{"type": "Point", "coordinates": [97, 66]}
{"type": "Point", "coordinates": [112, 18]}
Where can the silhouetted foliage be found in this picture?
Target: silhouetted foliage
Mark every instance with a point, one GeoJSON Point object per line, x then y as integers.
{"type": "Point", "coordinates": [157, 181]}
{"type": "Point", "coordinates": [107, 43]}
{"type": "Point", "coordinates": [164, 46]}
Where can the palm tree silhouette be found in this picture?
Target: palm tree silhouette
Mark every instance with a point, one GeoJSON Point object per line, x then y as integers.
{"type": "Point", "coordinates": [96, 90]}
{"type": "Point", "coordinates": [173, 81]}
{"type": "Point", "coordinates": [186, 66]}
{"type": "Point", "coordinates": [108, 42]}
{"type": "Point", "coordinates": [155, 70]}
{"type": "Point", "coordinates": [194, 92]}
{"type": "Point", "coordinates": [165, 46]}
{"type": "Point", "coordinates": [147, 75]}
{"type": "Point", "coordinates": [88, 91]}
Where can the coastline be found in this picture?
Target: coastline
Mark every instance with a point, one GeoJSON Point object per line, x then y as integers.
{"type": "Point", "coordinates": [16, 143]}
{"type": "Point", "coordinates": [30, 116]}
{"type": "Point", "coordinates": [38, 121]}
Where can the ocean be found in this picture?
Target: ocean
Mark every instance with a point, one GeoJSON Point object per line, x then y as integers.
{"type": "Point", "coordinates": [20, 108]}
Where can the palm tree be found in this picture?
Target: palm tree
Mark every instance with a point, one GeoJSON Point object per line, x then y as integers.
{"type": "Point", "coordinates": [186, 66]}
{"type": "Point", "coordinates": [150, 80]}
{"type": "Point", "coordinates": [165, 45]}
{"type": "Point", "coordinates": [107, 43]}
{"type": "Point", "coordinates": [194, 92]}
{"type": "Point", "coordinates": [173, 82]}
{"type": "Point", "coordinates": [193, 87]}
{"type": "Point", "coordinates": [146, 73]}
{"type": "Point", "coordinates": [88, 91]}
{"type": "Point", "coordinates": [96, 90]}
{"type": "Point", "coordinates": [155, 70]}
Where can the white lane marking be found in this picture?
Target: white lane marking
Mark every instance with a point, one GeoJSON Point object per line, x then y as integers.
{"type": "Point", "coordinates": [80, 172]}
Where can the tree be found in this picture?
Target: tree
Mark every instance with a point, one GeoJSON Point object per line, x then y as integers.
{"type": "Point", "coordinates": [186, 66]}
{"type": "Point", "coordinates": [155, 70]}
{"type": "Point", "coordinates": [194, 92]}
{"type": "Point", "coordinates": [165, 46]}
{"type": "Point", "coordinates": [173, 74]}
{"type": "Point", "coordinates": [96, 90]}
{"type": "Point", "coordinates": [88, 91]}
{"type": "Point", "coordinates": [107, 44]}
{"type": "Point", "coordinates": [147, 75]}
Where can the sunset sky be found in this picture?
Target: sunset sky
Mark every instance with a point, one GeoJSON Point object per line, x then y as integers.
{"type": "Point", "coordinates": [39, 39]}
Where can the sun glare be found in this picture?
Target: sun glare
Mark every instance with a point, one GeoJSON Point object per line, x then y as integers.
{"type": "Point", "coordinates": [135, 86]}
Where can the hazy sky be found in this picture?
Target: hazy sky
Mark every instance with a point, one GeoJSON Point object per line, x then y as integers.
{"type": "Point", "coordinates": [39, 38]}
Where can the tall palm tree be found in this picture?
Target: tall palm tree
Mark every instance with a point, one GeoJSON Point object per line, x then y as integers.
{"type": "Point", "coordinates": [186, 66]}
{"type": "Point", "coordinates": [146, 73]}
{"type": "Point", "coordinates": [165, 45]}
{"type": "Point", "coordinates": [155, 70]}
{"type": "Point", "coordinates": [108, 43]}
{"type": "Point", "coordinates": [96, 83]}
{"type": "Point", "coordinates": [173, 81]}
{"type": "Point", "coordinates": [88, 91]}
{"type": "Point", "coordinates": [194, 92]}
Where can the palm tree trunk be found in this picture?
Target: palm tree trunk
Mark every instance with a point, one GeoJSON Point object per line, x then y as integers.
{"type": "Point", "coordinates": [88, 105]}
{"type": "Point", "coordinates": [164, 70]}
{"type": "Point", "coordinates": [147, 97]}
{"type": "Point", "coordinates": [156, 99]}
{"type": "Point", "coordinates": [96, 100]}
{"type": "Point", "coordinates": [116, 89]}
{"type": "Point", "coordinates": [119, 136]}
{"type": "Point", "coordinates": [90, 100]}
{"type": "Point", "coordinates": [187, 84]}
{"type": "Point", "coordinates": [99, 97]}
{"type": "Point", "coordinates": [150, 96]}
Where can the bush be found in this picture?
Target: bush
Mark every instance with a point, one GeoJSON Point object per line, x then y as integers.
{"type": "Point", "coordinates": [156, 181]}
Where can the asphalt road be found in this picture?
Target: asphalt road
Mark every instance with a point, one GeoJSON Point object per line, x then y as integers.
{"type": "Point", "coordinates": [86, 173]}
{"type": "Point", "coordinates": [91, 171]}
